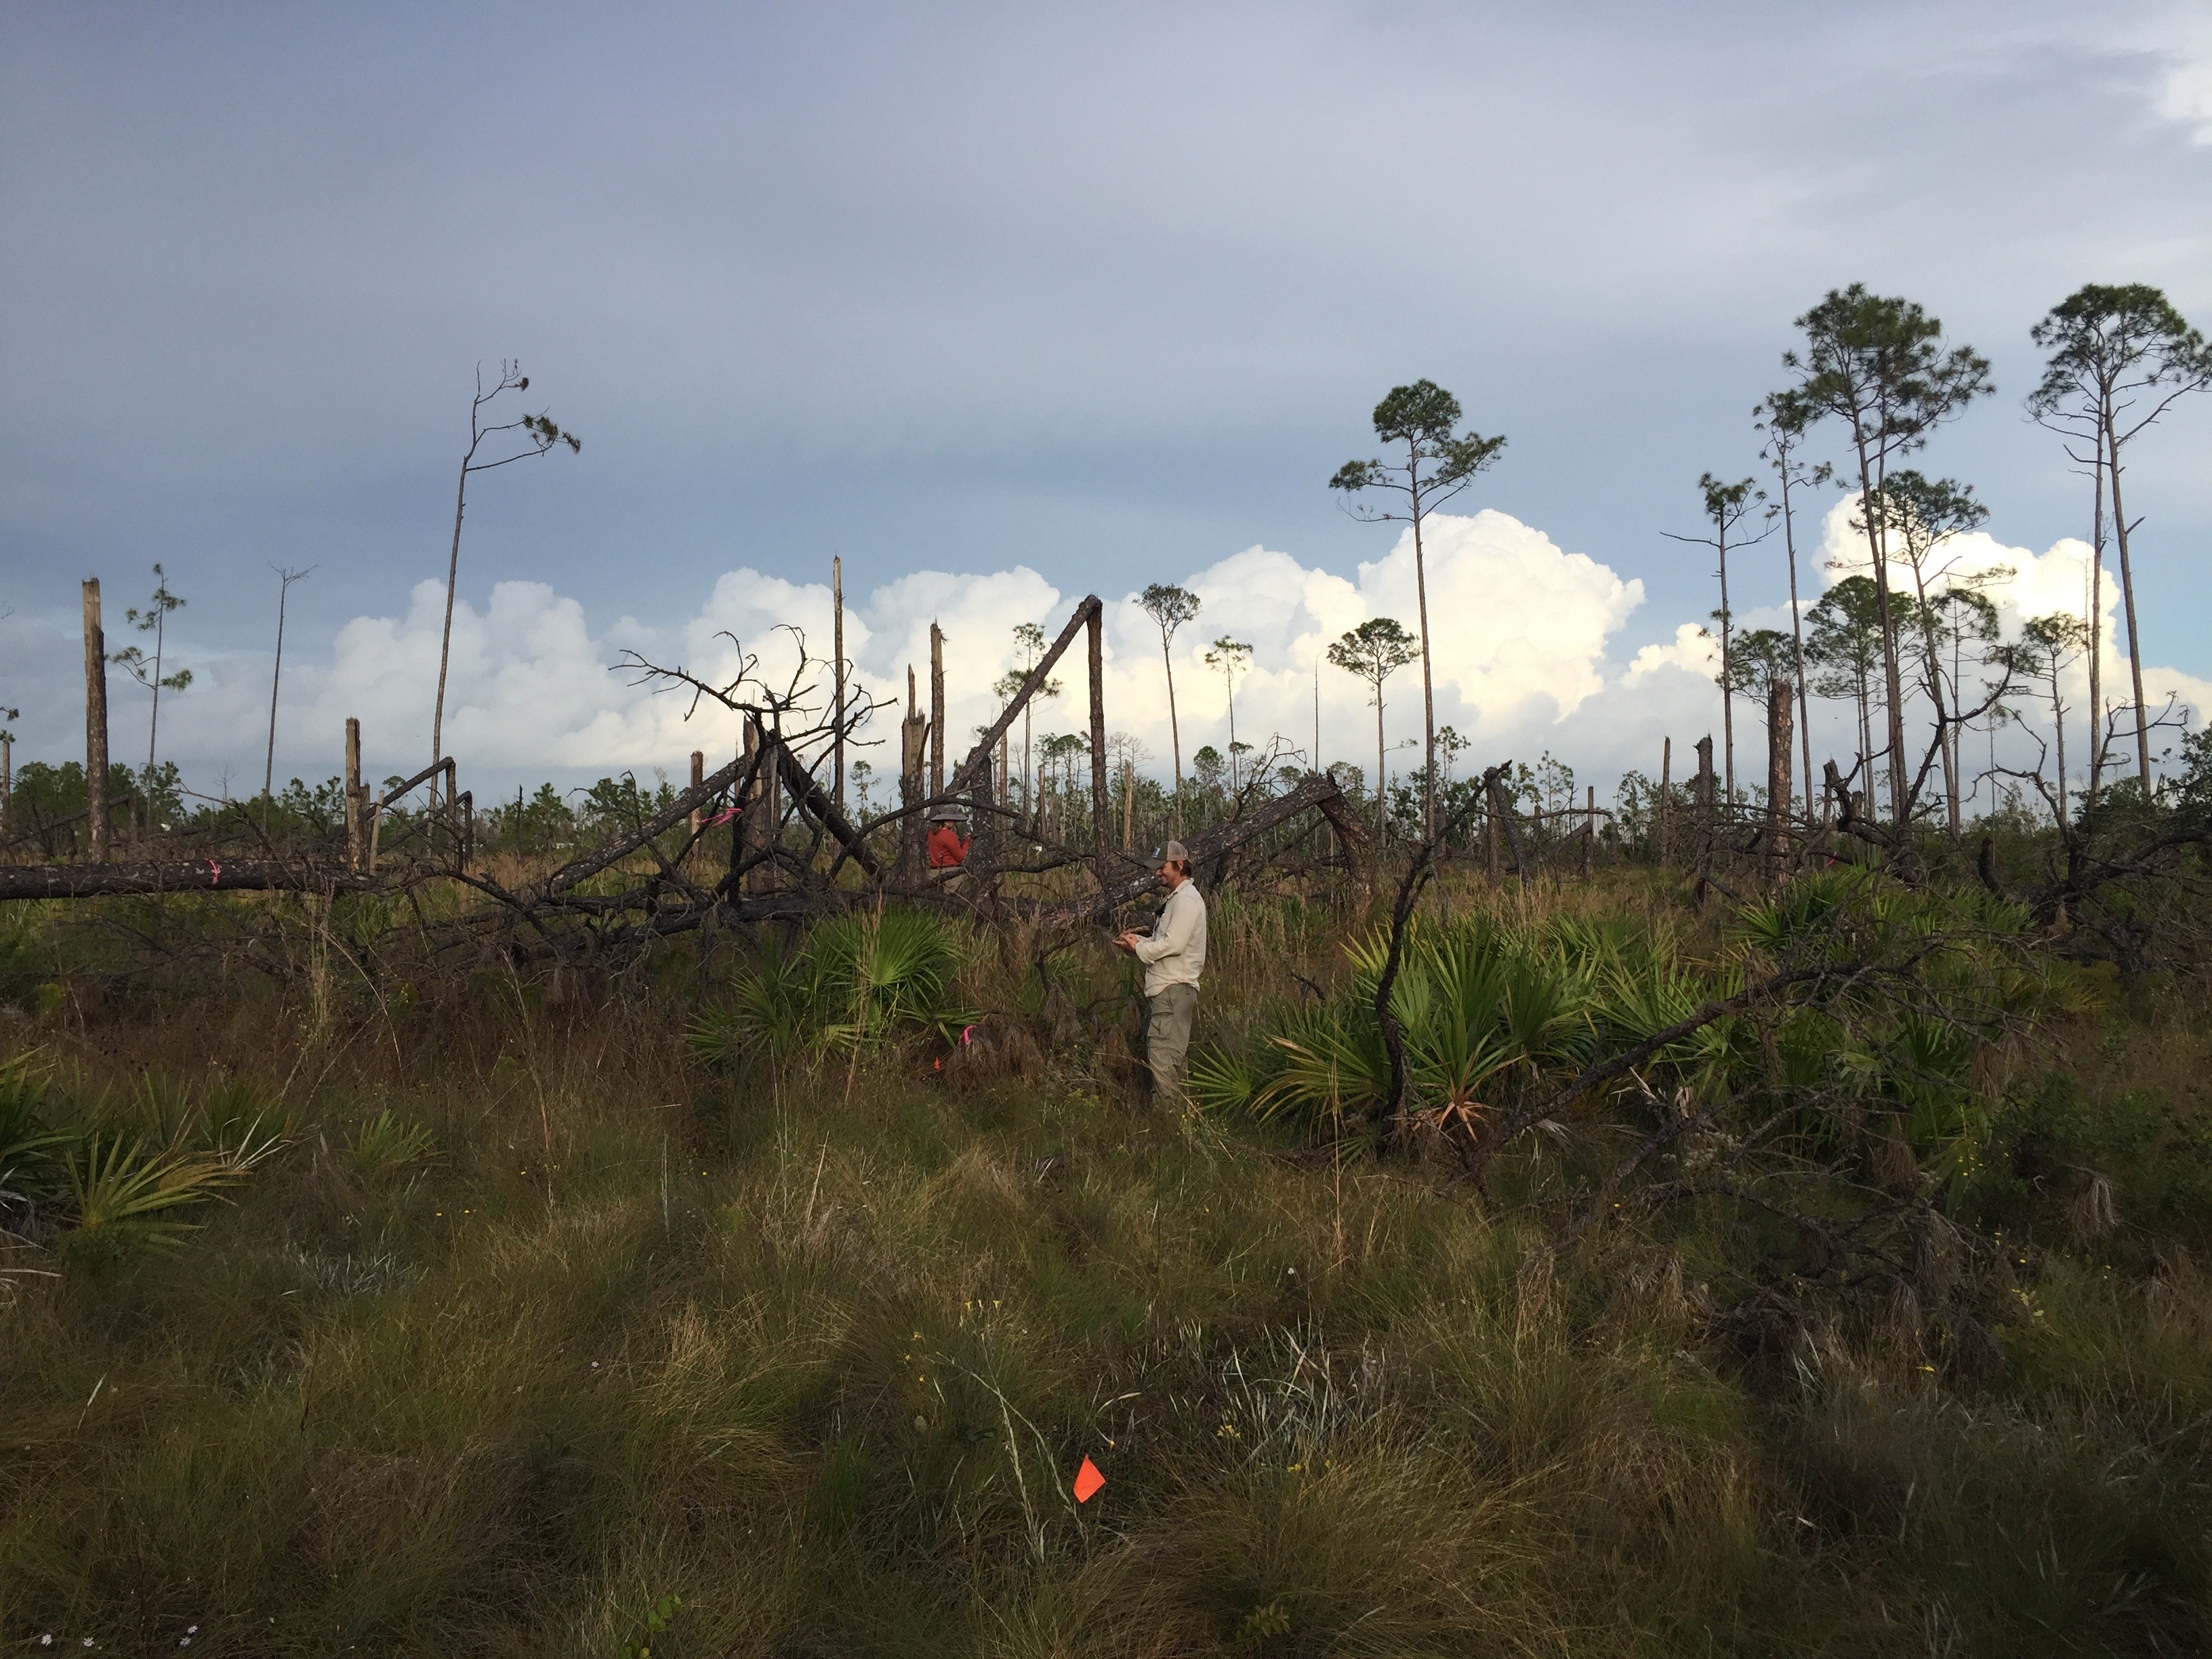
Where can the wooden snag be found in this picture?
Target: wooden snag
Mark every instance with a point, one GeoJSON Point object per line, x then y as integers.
{"type": "Point", "coordinates": [95, 723]}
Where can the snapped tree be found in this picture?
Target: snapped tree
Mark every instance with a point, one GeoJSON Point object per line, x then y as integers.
{"type": "Point", "coordinates": [2120, 357]}
{"type": "Point", "coordinates": [1170, 607]}
{"type": "Point", "coordinates": [1784, 429]}
{"type": "Point", "coordinates": [1374, 651]}
{"type": "Point", "coordinates": [1436, 465]}
{"type": "Point", "coordinates": [1876, 364]}
{"type": "Point", "coordinates": [1727, 505]}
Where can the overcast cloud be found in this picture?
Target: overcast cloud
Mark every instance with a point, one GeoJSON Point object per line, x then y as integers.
{"type": "Point", "coordinates": [1067, 301]}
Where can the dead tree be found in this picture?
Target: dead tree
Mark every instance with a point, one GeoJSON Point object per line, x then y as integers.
{"type": "Point", "coordinates": [95, 724]}
{"type": "Point", "coordinates": [1779, 706]}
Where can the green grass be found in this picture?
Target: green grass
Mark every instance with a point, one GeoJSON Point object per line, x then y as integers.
{"type": "Point", "coordinates": [538, 1326]}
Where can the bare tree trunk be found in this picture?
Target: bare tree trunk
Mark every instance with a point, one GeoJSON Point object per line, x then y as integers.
{"type": "Point", "coordinates": [698, 777]}
{"type": "Point", "coordinates": [749, 838]}
{"type": "Point", "coordinates": [1428, 683]}
{"type": "Point", "coordinates": [1778, 697]}
{"type": "Point", "coordinates": [1128, 804]}
{"type": "Point", "coordinates": [1381, 819]}
{"type": "Point", "coordinates": [914, 740]}
{"type": "Point", "coordinates": [2096, 619]}
{"type": "Point", "coordinates": [1728, 678]}
{"type": "Point", "coordinates": [353, 795]}
{"type": "Point", "coordinates": [446, 639]}
{"type": "Point", "coordinates": [285, 578]}
{"type": "Point", "coordinates": [1798, 638]}
{"type": "Point", "coordinates": [837, 650]}
{"type": "Point", "coordinates": [2120, 528]}
{"type": "Point", "coordinates": [936, 711]}
{"type": "Point", "coordinates": [1665, 815]}
{"type": "Point", "coordinates": [1589, 830]}
{"type": "Point", "coordinates": [154, 724]}
{"type": "Point", "coordinates": [1892, 676]}
{"type": "Point", "coordinates": [95, 725]}
{"type": "Point", "coordinates": [2058, 719]}
{"type": "Point", "coordinates": [981, 864]}
{"type": "Point", "coordinates": [1705, 835]}
{"type": "Point", "coordinates": [1175, 731]}
{"type": "Point", "coordinates": [1098, 743]}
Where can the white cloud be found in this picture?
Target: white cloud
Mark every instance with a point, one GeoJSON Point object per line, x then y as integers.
{"type": "Point", "coordinates": [2184, 93]}
{"type": "Point", "coordinates": [1528, 656]}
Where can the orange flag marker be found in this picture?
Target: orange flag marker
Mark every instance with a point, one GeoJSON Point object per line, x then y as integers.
{"type": "Point", "coordinates": [1087, 1481]}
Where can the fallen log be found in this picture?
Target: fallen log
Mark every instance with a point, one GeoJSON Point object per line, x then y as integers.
{"type": "Point", "coordinates": [64, 881]}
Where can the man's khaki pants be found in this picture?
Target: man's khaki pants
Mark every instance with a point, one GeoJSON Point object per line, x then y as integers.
{"type": "Point", "coordinates": [1166, 1039]}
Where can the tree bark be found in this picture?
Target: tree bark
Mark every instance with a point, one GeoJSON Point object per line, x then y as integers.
{"type": "Point", "coordinates": [65, 881]}
{"type": "Point", "coordinates": [353, 795]}
{"type": "Point", "coordinates": [913, 738]}
{"type": "Point", "coordinates": [1779, 712]}
{"type": "Point", "coordinates": [936, 711]}
{"type": "Point", "coordinates": [1705, 826]}
{"type": "Point", "coordinates": [95, 725]}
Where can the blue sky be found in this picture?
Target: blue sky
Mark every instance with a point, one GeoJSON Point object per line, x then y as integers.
{"type": "Point", "coordinates": [1103, 293]}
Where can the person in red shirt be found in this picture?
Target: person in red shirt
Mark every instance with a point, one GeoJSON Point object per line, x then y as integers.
{"type": "Point", "coordinates": [948, 847]}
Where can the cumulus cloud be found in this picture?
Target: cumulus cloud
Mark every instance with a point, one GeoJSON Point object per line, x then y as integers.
{"type": "Point", "coordinates": [2184, 92]}
{"type": "Point", "coordinates": [1529, 654]}
{"type": "Point", "coordinates": [2023, 585]}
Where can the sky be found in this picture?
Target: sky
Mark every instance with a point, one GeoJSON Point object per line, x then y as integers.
{"type": "Point", "coordinates": [1004, 304]}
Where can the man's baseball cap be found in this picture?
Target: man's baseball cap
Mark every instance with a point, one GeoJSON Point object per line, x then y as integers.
{"type": "Point", "coordinates": [1174, 852]}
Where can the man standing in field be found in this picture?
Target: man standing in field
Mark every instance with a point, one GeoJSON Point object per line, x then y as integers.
{"type": "Point", "coordinates": [1174, 954]}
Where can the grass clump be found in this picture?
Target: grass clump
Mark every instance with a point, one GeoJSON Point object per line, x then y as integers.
{"type": "Point", "coordinates": [555, 1329]}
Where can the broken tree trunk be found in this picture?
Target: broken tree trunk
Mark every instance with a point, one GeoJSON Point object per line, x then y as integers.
{"type": "Point", "coordinates": [1779, 708]}
{"type": "Point", "coordinates": [913, 738]}
{"type": "Point", "coordinates": [95, 724]}
{"type": "Point", "coordinates": [980, 756]}
{"type": "Point", "coordinates": [1707, 830]}
{"type": "Point", "coordinates": [936, 711]}
{"type": "Point", "coordinates": [354, 804]}
{"type": "Point", "coordinates": [1501, 812]}
{"type": "Point", "coordinates": [66, 881]}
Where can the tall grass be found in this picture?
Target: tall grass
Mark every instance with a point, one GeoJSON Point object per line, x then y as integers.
{"type": "Point", "coordinates": [540, 1324]}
